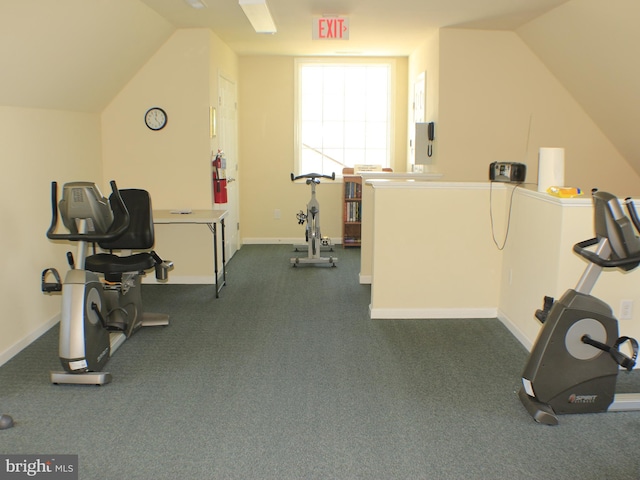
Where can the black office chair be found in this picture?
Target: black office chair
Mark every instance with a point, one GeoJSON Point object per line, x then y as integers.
{"type": "Point", "coordinates": [122, 272]}
{"type": "Point", "coordinates": [138, 236]}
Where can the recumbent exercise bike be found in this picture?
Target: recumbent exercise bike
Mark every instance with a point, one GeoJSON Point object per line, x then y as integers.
{"type": "Point", "coordinates": [315, 242]}
{"type": "Point", "coordinates": [101, 298]}
{"type": "Point", "coordinates": [574, 363]}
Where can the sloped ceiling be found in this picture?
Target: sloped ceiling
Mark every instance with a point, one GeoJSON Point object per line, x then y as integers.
{"type": "Point", "coordinates": [592, 48]}
{"type": "Point", "coordinates": [74, 54]}
{"type": "Point", "coordinates": [77, 54]}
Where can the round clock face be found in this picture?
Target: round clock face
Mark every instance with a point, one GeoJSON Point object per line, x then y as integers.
{"type": "Point", "coordinates": [155, 118]}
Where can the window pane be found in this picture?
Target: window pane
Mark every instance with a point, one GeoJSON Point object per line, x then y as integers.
{"type": "Point", "coordinates": [335, 156]}
{"type": "Point", "coordinates": [312, 134]}
{"type": "Point", "coordinates": [355, 157]}
{"type": "Point", "coordinates": [377, 111]}
{"type": "Point", "coordinates": [333, 135]}
{"type": "Point", "coordinates": [343, 116]}
{"type": "Point", "coordinates": [355, 135]}
{"type": "Point", "coordinates": [376, 135]}
{"type": "Point", "coordinates": [333, 108]}
{"type": "Point", "coordinates": [355, 105]}
{"type": "Point", "coordinates": [375, 157]}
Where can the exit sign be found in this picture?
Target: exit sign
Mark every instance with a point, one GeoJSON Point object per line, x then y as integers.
{"type": "Point", "coordinates": [330, 28]}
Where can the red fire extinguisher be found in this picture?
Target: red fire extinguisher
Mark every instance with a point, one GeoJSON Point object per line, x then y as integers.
{"type": "Point", "coordinates": [219, 182]}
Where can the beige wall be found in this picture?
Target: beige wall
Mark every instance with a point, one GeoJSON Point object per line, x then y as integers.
{"type": "Point", "coordinates": [426, 59]}
{"type": "Point", "coordinates": [36, 147]}
{"type": "Point", "coordinates": [490, 86]}
{"type": "Point", "coordinates": [538, 260]}
{"type": "Point", "coordinates": [266, 148]}
{"type": "Point", "coordinates": [368, 179]}
{"type": "Point", "coordinates": [173, 164]}
{"type": "Point", "coordinates": [444, 263]}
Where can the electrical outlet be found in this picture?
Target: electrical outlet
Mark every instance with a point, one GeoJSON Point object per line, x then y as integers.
{"type": "Point", "coordinates": [276, 213]}
{"type": "Point", "coordinates": [626, 309]}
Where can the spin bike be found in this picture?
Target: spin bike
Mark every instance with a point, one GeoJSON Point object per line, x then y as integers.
{"type": "Point", "coordinates": [315, 242]}
{"type": "Point", "coordinates": [100, 312]}
{"type": "Point", "coordinates": [573, 366]}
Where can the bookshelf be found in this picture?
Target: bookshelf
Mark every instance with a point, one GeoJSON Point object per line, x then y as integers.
{"type": "Point", "coordinates": [352, 215]}
{"type": "Point", "coordinates": [352, 208]}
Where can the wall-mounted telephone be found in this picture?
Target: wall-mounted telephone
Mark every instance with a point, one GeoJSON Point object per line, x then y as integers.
{"type": "Point", "coordinates": [431, 127]}
{"type": "Point", "coordinates": [425, 134]}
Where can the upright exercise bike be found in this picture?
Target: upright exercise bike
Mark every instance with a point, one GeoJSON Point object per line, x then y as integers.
{"type": "Point", "coordinates": [101, 299]}
{"type": "Point", "coordinates": [574, 364]}
{"type": "Point", "coordinates": [315, 242]}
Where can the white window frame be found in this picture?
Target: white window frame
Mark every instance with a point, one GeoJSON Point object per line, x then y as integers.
{"type": "Point", "coordinates": [341, 61]}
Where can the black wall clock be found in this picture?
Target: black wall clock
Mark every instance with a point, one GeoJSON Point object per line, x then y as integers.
{"type": "Point", "coordinates": [155, 118]}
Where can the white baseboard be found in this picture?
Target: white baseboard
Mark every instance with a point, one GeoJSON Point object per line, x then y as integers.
{"type": "Point", "coordinates": [365, 279]}
{"type": "Point", "coordinates": [23, 343]}
{"type": "Point", "coordinates": [282, 241]}
{"type": "Point", "coordinates": [515, 331]}
{"type": "Point", "coordinates": [272, 241]}
{"type": "Point", "coordinates": [181, 280]}
{"type": "Point", "coordinates": [430, 313]}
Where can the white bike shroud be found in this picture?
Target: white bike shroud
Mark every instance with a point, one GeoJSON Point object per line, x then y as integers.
{"type": "Point", "coordinates": [315, 242]}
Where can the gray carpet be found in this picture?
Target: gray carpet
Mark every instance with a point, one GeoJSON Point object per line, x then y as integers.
{"type": "Point", "coordinates": [286, 377]}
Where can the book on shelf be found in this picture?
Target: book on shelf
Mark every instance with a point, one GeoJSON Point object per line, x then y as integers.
{"type": "Point", "coordinates": [353, 211]}
{"type": "Point", "coordinates": [349, 240]}
{"type": "Point", "coordinates": [352, 190]}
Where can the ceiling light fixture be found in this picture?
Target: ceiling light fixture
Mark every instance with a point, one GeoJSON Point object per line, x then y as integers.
{"type": "Point", "coordinates": [258, 14]}
{"type": "Point", "coordinates": [198, 4]}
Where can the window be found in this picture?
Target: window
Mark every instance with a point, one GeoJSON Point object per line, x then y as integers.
{"type": "Point", "coordinates": [343, 115]}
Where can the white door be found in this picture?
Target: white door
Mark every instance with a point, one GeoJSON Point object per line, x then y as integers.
{"type": "Point", "coordinates": [228, 142]}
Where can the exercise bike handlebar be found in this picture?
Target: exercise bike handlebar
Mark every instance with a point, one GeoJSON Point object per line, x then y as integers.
{"type": "Point", "coordinates": [90, 237]}
{"type": "Point", "coordinates": [313, 176]}
{"type": "Point", "coordinates": [630, 261]}
{"type": "Point", "coordinates": [581, 249]}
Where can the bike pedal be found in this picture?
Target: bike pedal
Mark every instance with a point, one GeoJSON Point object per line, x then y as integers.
{"type": "Point", "coordinates": [51, 287]}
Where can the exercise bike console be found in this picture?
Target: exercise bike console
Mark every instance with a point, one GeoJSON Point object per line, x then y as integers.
{"type": "Point", "coordinates": [82, 201]}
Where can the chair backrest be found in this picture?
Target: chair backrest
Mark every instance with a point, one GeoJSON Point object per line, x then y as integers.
{"type": "Point", "coordinates": [140, 234]}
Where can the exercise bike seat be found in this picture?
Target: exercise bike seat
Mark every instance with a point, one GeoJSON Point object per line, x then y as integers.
{"type": "Point", "coordinates": [139, 235]}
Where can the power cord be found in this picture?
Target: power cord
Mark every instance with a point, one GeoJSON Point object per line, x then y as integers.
{"type": "Point", "coordinates": [506, 233]}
